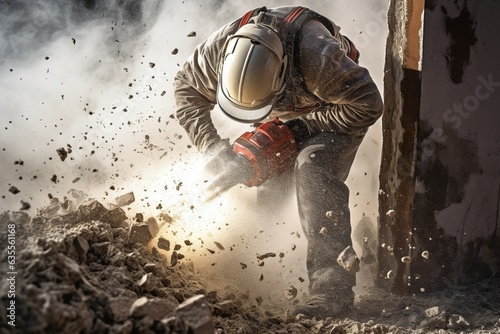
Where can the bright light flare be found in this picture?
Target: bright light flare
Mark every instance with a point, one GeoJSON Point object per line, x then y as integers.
{"type": "Point", "coordinates": [181, 190]}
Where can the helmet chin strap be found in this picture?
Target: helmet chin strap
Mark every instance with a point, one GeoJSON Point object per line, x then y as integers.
{"type": "Point", "coordinates": [280, 82]}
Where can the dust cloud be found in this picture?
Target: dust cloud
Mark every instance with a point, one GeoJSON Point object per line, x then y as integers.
{"type": "Point", "coordinates": [87, 103]}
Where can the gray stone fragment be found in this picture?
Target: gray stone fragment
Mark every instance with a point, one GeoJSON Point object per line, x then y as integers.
{"type": "Point", "coordinates": [92, 211]}
{"type": "Point", "coordinates": [349, 260]}
{"type": "Point", "coordinates": [125, 199]}
{"type": "Point", "coordinates": [140, 232]}
{"type": "Point", "coordinates": [155, 308]}
{"type": "Point", "coordinates": [432, 311]}
{"type": "Point", "coordinates": [153, 226]}
{"type": "Point", "coordinates": [116, 218]}
{"type": "Point", "coordinates": [163, 244]}
{"type": "Point", "coordinates": [139, 217]}
{"type": "Point", "coordinates": [126, 328]}
{"type": "Point", "coordinates": [148, 282]}
{"type": "Point", "coordinates": [196, 313]}
{"type": "Point", "coordinates": [4, 218]}
{"type": "Point", "coordinates": [20, 217]}
{"type": "Point", "coordinates": [291, 292]}
{"type": "Point", "coordinates": [226, 308]}
{"type": "Point", "coordinates": [457, 322]}
{"type": "Point", "coordinates": [101, 249]}
{"type": "Point", "coordinates": [81, 245]}
{"type": "Point", "coordinates": [118, 308]}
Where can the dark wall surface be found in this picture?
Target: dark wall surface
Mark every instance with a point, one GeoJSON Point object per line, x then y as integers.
{"type": "Point", "coordinates": [441, 148]}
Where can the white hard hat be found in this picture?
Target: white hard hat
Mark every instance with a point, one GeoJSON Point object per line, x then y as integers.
{"type": "Point", "coordinates": [251, 73]}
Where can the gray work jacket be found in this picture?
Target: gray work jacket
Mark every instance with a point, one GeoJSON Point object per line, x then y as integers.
{"type": "Point", "coordinates": [338, 94]}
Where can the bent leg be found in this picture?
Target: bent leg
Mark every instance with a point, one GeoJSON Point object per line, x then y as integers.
{"type": "Point", "coordinates": [323, 199]}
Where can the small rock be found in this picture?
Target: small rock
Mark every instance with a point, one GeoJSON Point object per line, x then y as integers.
{"type": "Point", "coordinates": [139, 217]}
{"type": "Point", "coordinates": [333, 216]}
{"type": "Point", "coordinates": [89, 212]}
{"type": "Point", "coordinates": [81, 246]}
{"type": "Point", "coordinates": [425, 255]}
{"type": "Point", "coordinates": [173, 259]}
{"type": "Point", "coordinates": [118, 308]}
{"type": "Point", "coordinates": [14, 190]}
{"type": "Point", "coordinates": [266, 255]}
{"type": "Point", "coordinates": [20, 218]}
{"type": "Point", "coordinates": [62, 153]}
{"type": "Point", "coordinates": [406, 259]}
{"type": "Point", "coordinates": [166, 218]}
{"type": "Point", "coordinates": [153, 226]}
{"type": "Point", "coordinates": [337, 329]}
{"type": "Point", "coordinates": [141, 232]}
{"type": "Point", "coordinates": [101, 249]}
{"type": "Point", "coordinates": [163, 244]}
{"type": "Point", "coordinates": [290, 292]}
{"type": "Point", "coordinates": [196, 313]}
{"type": "Point", "coordinates": [391, 213]}
{"type": "Point", "coordinates": [125, 200]}
{"type": "Point", "coordinates": [349, 260]}
{"type": "Point", "coordinates": [219, 245]}
{"type": "Point", "coordinates": [116, 218]}
{"type": "Point", "coordinates": [148, 282]}
{"type": "Point", "coordinates": [155, 308]}
{"type": "Point", "coordinates": [389, 274]}
{"type": "Point", "coordinates": [432, 312]}
{"type": "Point", "coordinates": [457, 322]}
{"type": "Point", "coordinates": [226, 308]}
{"type": "Point", "coordinates": [192, 34]}
{"type": "Point", "coordinates": [25, 205]}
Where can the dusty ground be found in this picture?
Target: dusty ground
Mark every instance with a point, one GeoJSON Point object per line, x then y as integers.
{"type": "Point", "coordinates": [78, 271]}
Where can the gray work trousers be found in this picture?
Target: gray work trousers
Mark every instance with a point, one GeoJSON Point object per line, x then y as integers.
{"type": "Point", "coordinates": [320, 170]}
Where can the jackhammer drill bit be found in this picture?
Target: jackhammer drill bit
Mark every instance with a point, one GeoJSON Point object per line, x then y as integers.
{"type": "Point", "coordinates": [237, 173]}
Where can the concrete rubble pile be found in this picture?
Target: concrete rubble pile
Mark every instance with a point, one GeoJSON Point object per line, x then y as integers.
{"type": "Point", "coordinates": [80, 272]}
{"type": "Point", "coordinates": [87, 269]}
{"type": "Point", "coordinates": [83, 268]}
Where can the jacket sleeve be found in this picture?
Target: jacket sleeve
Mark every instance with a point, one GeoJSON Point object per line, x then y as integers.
{"type": "Point", "coordinates": [195, 88]}
{"type": "Point", "coordinates": [352, 101]}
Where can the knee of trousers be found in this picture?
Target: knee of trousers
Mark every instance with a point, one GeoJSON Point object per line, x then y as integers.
{"type": "Point", "coordinates": [323, 160]}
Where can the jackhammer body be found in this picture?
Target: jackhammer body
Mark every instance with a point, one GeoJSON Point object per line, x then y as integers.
{"type": "Point", "coordinates": [264, 153]}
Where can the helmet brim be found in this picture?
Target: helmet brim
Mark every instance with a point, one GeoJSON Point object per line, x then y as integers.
{"type": "Point", "coordinates": [243, 115]}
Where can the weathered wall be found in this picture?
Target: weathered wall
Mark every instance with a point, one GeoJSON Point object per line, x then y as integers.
{"type": "Point", "coordinates": [441, 146]}
{"type": "Point", "coordinates": [458, 164]}
{"type": "Point", "coordinates": [402, 105]}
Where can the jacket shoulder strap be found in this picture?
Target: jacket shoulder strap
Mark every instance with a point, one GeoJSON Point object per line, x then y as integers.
{"type": "Point", "coordinates": [251, 13]}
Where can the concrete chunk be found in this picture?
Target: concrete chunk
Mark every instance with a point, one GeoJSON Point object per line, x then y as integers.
{"type": "Point", "coordinates": [118, 308]}
{"type": "Point", "coordinates": [196, 313]}
{"type": "Point", "coordinates": [125, 199]}
{"type": "Point", "coordinates": [141, 232]}
{"type": "Point", "coordinates": [116, 218]}
{"type": "Point", "coordinates": [153, 226]}
{"type": "Point", "coordinates": [155, 308]}
{"type": "Point", "coordinates": [349, 260]}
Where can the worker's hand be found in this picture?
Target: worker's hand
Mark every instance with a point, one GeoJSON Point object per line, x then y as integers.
{"type": "Point", "coordinates": [299, 130]}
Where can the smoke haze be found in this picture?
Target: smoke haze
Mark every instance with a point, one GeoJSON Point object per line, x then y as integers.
{"type": "Point", "coordinates": [93, 80]}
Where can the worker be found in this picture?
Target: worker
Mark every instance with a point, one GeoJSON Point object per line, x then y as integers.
{"type": "Point", "coordinates": [289, 64]}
